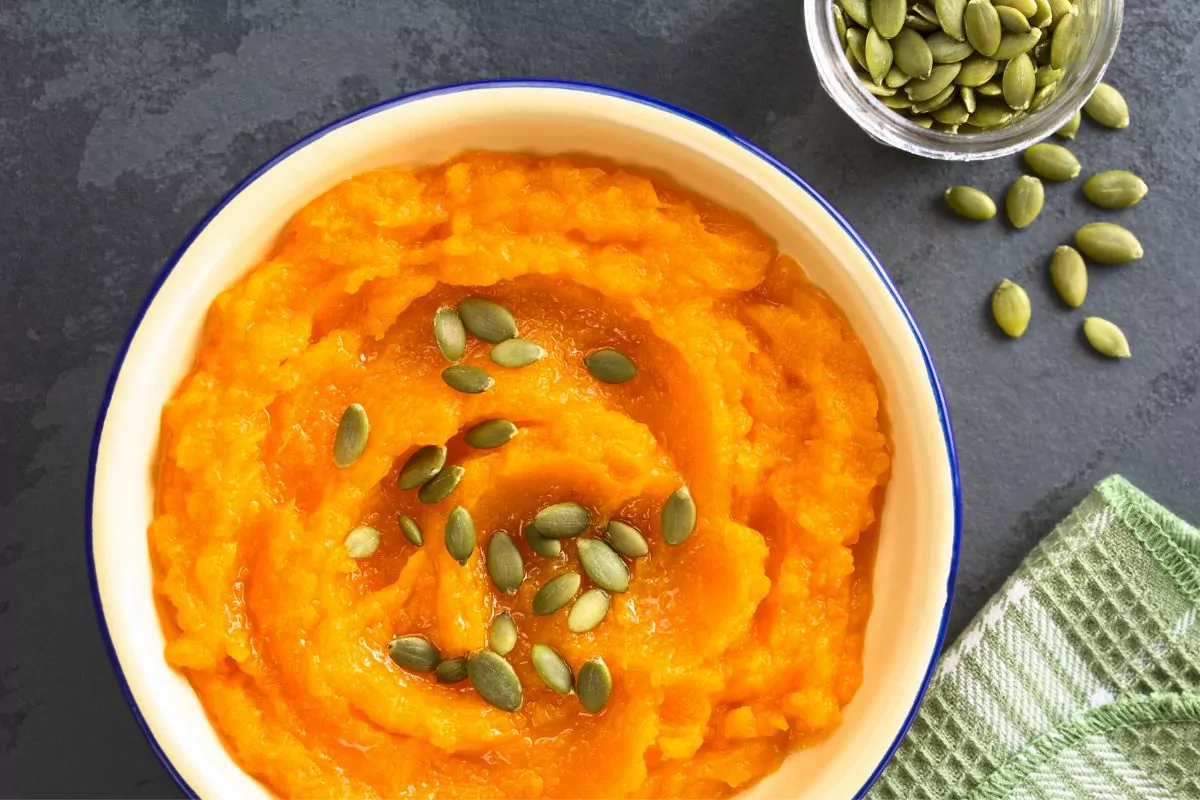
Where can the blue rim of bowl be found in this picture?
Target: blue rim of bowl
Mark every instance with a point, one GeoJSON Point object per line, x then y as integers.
{"type": "Point", "coordinates": [593, 88]}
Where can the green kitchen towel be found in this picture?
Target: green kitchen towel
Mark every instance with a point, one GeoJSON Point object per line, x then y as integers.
{"type": "Point", "coordinates": [1080, 678]}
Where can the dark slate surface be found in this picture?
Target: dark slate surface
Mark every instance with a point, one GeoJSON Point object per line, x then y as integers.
{"type": "Point", "coordinates": [120, 124]}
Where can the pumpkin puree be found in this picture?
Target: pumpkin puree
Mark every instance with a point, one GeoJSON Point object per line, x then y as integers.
{"type": "Point", "coordinates": [727, 651]}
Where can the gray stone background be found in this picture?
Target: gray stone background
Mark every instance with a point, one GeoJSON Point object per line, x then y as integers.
{"type": "Point", "coordinates": [121, 123]}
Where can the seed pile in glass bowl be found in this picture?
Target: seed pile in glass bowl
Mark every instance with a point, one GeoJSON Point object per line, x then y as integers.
{"type": "Point", "coordinates": [959, 66]}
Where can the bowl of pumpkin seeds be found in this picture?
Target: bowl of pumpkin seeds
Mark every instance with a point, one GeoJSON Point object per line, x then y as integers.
{"type": "Point", "coordinates": [962, 80]}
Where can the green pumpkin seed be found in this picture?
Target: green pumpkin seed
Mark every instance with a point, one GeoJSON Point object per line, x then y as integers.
{"type": "Point", "coordinates": [969, 202]}
{"type": "Point", "coordinates": [678, 517]}
{"type": "Point", "coordinates": [950, 15]}
{"type": "Point", "coordinates": [594, 685]}
{"type": "Point", "coordinates": [953, 113]}
{"type": "Point", "coordinates": [1071, 126]}
{"type": "Point", "coordinates": [362, 542]}
{"type": "Point", "coordinates": [1068, 273]}
{"type": "Point", "coordinates": [894, 80]}
{"type": "Point", "coordinates": [967, 94]}
{"type": "Point", "coordinates": [603, 565]}
{"type": "Point", "coordinates": [1115, 188]}
{"type": "Point", "coordinates": [1108, 243]}
{"type": "Point", "coordinates": [887, 16]}
{"type": "Point", "coordinates": [490, 434]}
{"type": "Point", "coordinates": [1066, 37]}
{"type": "Point", "coordinates": [414, 653]}
{"type": "Point", "coordinates": [920, 24]}
{"type": "Point", "coordinates": [926, 12]}
{"type": "Point", "coordinates": [502, 634]}
{"type": "Point", "coordinates": [856, 46]}
{"type": "Point", "coordinates": [857, 10]}
{"type": "Point", "coordinates": [452, 670]}
{"type": "Point", "coordinates": [1059, 9]}
{"type": "Point", "coordinates": [562, 520]}
{"type": "Point", "coordinates": [552, 669]}
{"type": "Point", "coordinates": [839, 24]}
{"type": "Point", "coordinates": [467, 379]}
{"type": "Point", "coordinates": [940, 78]}
{"type": "Point", "coordinates": [1107, 107]}
{"type": "Point", "coordinates": [351, 438]}
{"type": "Point", "coordinates": [976, 70]}
{"type": "Point", "coordinates": [449, 333]}
{"type": "Point", "coordinates": [879, 55]}
{"type": "Point", "coordinates": [505, 565]}
{"type": "Point", "coordinates": [1024, 201]}
{"type": "Point", "coordinates": [494, 680]}
{"type": "Point", "coordinates": [1010, 307]}
{"type": "Point", "coordinates": [610, 366]}
{"type": "Point", "coordinates": [487, 319]}
{"type": "Point", "coordinates": [897, 102]}
{"type": "Point", "coordinates": [992, 89]}
{"type": "Point", "coordinates": [1012, 20]}
{"type": "Point", "coordinates": [460, 535]}
{"type": "Point", "coordinates": [1104, 337]}
{"type": "Point", "coordinates": [442, 484]}
{"type": "Point", "coordinates": [516, 353]}
{"type": "Point", "coordinates": [1014, 44]}
{"type": "Point", "coordinates": [945, 49]}
{"type": "Point", "coordinates": [1047, 75]}
{"type": "Point", "coordinates": [1052, 162]}
{"type": "Point", "coordinates": [912, 55]}
{"type": "Point", "coordinates": [589, 611]}
{"type": "Point", "coordinates": [873, 88]}
{"type": "Point", "coordinates": [1043, 16]}
{"type": "Point", "coordinates": [1042, 96]}
{"type": "Point", "coordinates": [944, 128]}
{"type": "Point", "coordinates": [922, 121]}
{"type": "Point", "coordinates": [982, 25]}
{"type": "Point", "coordinates": [626, 539]}
{"type": "Point", "coordinates": [556, 593]}
{"type": "Point", "coordinates": [935, 102]}
{"type": "Point", "coordinates": [410, 529]}
{"type": "Point", "coordinates": [1026, 8]}
{"type": "Point", "coordinates": [1018, 83]}
{"type": "Point", "coordinates": [548, 548]}
{"type": "Point", "coordinates": [422, 466]}
{"type": "Point", "coordinates": [990, 114]}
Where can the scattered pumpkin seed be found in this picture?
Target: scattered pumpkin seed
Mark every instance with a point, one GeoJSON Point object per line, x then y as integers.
{"type": "Point", "coordinates": [422, 466]}
{"type": "Point", "coordinates": [1066, 37]}
{"type": "Point", "coordinates": [857, 10]}
{"type": "Point", "coordinates": [878, 53]}
{"type": "Point", "coordinates": [969, 202]}
{"type": "Point", "coordinates": [494, 680]}
{"type": "Point", "coordinates": [487, 319]}
{"type": "Point", "coordinates": [626, 539]}
{"type": "Point", "coordinates": [1071, 126]}
{"type": "Point", "coordinates": [351, 438]}
{"type": "Point", "coordinates": [449, 333]}
{"type": "Point", "coordinates": [516, 353]}
{"type": "Point", "coordinates": [1014, 44]}
{"type": "Point", "coordinates": [441, 485]}
{"type": "Point", "coordinates": [594, 685]}
{"type": "Point", "coordinates": [505, 565]}
{"type": "Point", "coordinates": [552, 669]}
{"type": "Point", "coordinates": [935, 102]}
{"type": "Point", "coordinates": [1104, 337]}
{"type": "Point", "coordinates": [603, 565]}
{"type": "Point", "coordinates": [950, 15]}
{"type": "Point", "coordinates": [1108, 243]}
{"type": "Point", "coordinates": [982, 25]}
{"type": "Point", "coordinates": [362, 542]}
{"type": "Point", "coordinates": [410, 529]}
{"type": "Point", "coordinates": [1107, 107]}
{"type": "Point", "coordinates": [1019, 82]}
{"type": "Point", "coordinates": [678, 517]}
{"type": "Point", "coordinates": [1024, 201]}
{"type": "Point", "coordinates": [912, 55]}
{"type": "Point", "coordinates": [945, 49]}
{"type": "Point", "coordinates": [547, 548]}
{"type": "Point", "coordinates": [502, 634]}
{"type": "Point", "coordinates": [562, 520]}
{"type": "Point", "coordinates": [1010, 307]}
{"type": "Point", "coordinates": [1068, 273]}
{"type": "Point", "coordinates": [414, 653]}
{"type": "Point", "coordinates": [976, 70]}
{"type": "Point", "coordinates": [589, 611]}
{"type": "Point", "coordinates": [1012, 20]}
{"type": "Point", "coordinates": [556, 593]}
{"type": "Point", "coordinates": [467, 379]}
{"type": "Point", "coordinates": [452, 670]}
{"type": "Point", "coordinates": [610, 366]}
{"type": "Point", "coordinates": [1052, 162]}
{"type": "Point", "coordinates": [460, 535]}
{"type": "Point", "coordinates": [1115, 188]}
{"type": "Point", "coordinates": [490, 434]}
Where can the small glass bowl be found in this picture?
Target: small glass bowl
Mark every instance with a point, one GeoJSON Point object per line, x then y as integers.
{"type": "Point", "coordinates": [1100, 28]}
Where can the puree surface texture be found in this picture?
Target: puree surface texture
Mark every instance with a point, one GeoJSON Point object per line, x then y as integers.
{"type": "Point", "coordinates": [726, 652]}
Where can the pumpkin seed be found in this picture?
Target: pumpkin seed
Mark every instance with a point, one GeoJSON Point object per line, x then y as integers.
{"type": "Point", "coordinates": [1059, 9]}
{"type": "Point", "coordinates": [1068, 273]}
{"type": "Point", "coordinates": [922, 121]}
{"type": "Point", "coordinates": [589, 611]}
{"type": "Point", "coordinates": [857, 10]}
{"type": "Point", "coordinates": [562, 520]}
{"type": "Point", "coordinates": [879, 55]}
{"type": "Point", "coordinates": [516, 353]}
{"type": "Point", "coordinates": [1012, 20]}
{"type": "Point", "coordinates": [1024, 201]}
{"type": "Point", "coordinates": [1042, 96]}
{"type": "Point", "coordinates": [1070, 127]}
{"type": "Point", "coordinates": [976, 70]}
{"type": "Point", "coordinates": [967, 94]}
{"type": "Point", "coordinates": [410, 529]}
{"type": "Point", "coordinates": [487, 319]}
{"type": "Point", "coordinates": [950, 15]}
{"type": "Point", "coordinates": [982, 25]}
{"type": "Point", "coordinates": [1052, 162]}
{"type": "Point", "coordinates": [452, 670]}
{"type": "Point", "coordinates": [874, 88]}
{"type": "Point", "coordinates": [552, 669]}
{"type": "Point", "coordinates": [1104, 337]}
{"type": "Point", "coordinates": [1026, 8]}
{"type": "Point", "coordinates": [610, 366]}
{"type": "Point", "coordinates": [944, 128]}
{"type": "Point", "coordinates": [603, 565]}
{"type": "Point", "coordinates": [920, 24]}
{"type": "Point", "coordinates": [594, 685]}
{"type": "Point", "coordinates": [940, 78]}
{"type": "Point", "coordinates": [442, 484]}
{"type": "Point", "coordinates": [505, 566]}
{"type": "Point", "coordinates": [362, 542]}
{"type": "Point", "coordinates": [1108, 243]}
{"type": "Point", "coordinates": [1010, 307]}
{"type": "Point", "coordinates": [895, 79]}
{"type": "Point", "coordinates": [1115, 188]}
{"type": "Point", "coordinates": [1047, 75]}
{"type": "Point", "coordinates": [935, 102]}
{"type": "Point", "coordinates": [887, 16]}
{"type": "Point", "coordinates": [969, 202]}
{"type": "Point", "coordinates": [1019, 84]}
{"type": "Point", "coordinates": [926, 12]}
{"type": "Point", "coordinates": [460, 535]}
{"type": "Point", "coordinates": [548, 548]}
{"type": "Point", "coordinates": [897, 102]}
{"type": "Point", "coordinates": [490, 434]}
{"type": "Point", "coordinates": [556, 593]}
{"type": "Point", "coordinates": [856, 46]}
{"type": "Point", "coordinates": [912, 55]}
{"type": "Point", "coordinates": [1066, 37]}
{"type": "Point", "coordinates": [992, 89]}
{"type": "Point", "coordinates": [1043, 16]}
{"type": "Point", "coordinates": [953, 113]}
{"type": "Point", "coordinates": [678, 517]}
{"type": "Point", "coordinates": [494, 680]}
{"type": "Point", "coordinates": [1014, 44]}
{"type": "Point", "coordinates": [414, 653]}
{"type": "Point", "coordinates": [1107, 107]}
{"type": "Point", "coordinates": [626, 539]}
{"type": "Point", "coordinates": [449, 333]}
{"type": "Point", "coordinates": [351, 437]}
{"type": "Point", "coordinates": [467, 379]}
{"type": "Point", "coordinates": [945, 49]}
{"type": "Point", "coordinates": [990, 115]}
{"type": "Point", "coordinates": [422, 466]}
{"type": "Point", "coordinates": [839, 23]}
{"type": "Point", "coordinates": [502, 634]}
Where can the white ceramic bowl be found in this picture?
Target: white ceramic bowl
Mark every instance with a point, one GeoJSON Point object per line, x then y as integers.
{"type": "Point", "coordinates": [919, 539]}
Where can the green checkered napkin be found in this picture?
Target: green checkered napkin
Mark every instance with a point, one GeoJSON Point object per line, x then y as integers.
{"type": "Point", "coordinates": [1080, 678]}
